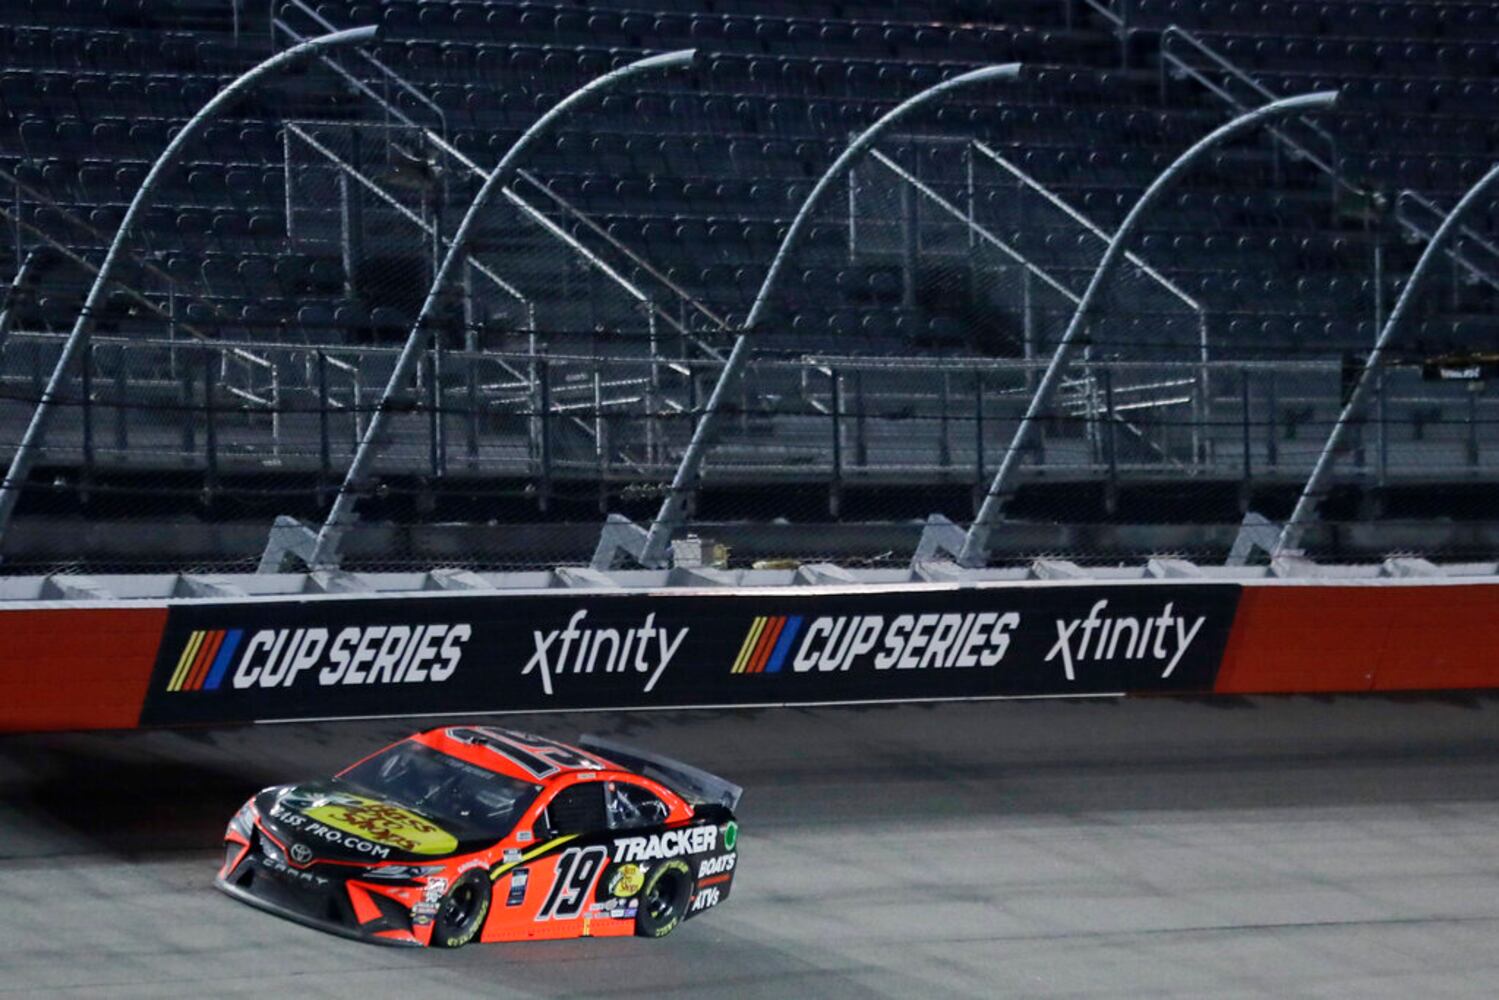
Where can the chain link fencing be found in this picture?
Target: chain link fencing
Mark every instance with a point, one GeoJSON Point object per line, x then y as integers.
{"type": "Point", "coordinates": [850, 437]}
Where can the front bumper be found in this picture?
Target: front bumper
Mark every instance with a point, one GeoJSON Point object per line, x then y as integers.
{"type": "Point", "coordinates": [321, 897]}
{"type": "Point", "coordinates": [306, 919]}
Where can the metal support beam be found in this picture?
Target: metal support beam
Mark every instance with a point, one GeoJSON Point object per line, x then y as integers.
{"type": "Point", "coordinates": [75, 588]}
{"type": "Point", "coordinates": [325, 551]}
{"type": "Point", "coordinates": [335, 581]}
{"type": "Point", "coordinates": [15, 292]}
{"type": "Point", "coordinates": [448, 578]}
{"type": "Point", "coordinates": [191, 585]}
{"type": "Point", "coordinates": [31, 440]}
{"type": "Point", "coordinates": [1318, 483]}
{"type": "Point", "coordinates": [689, 470]}
{"type": "Point", "coordinates": [1256, 532]}
{"type": "Point", "coordinates": [975, 548]}
{"type": "Point", "coordinates": [583, 576]}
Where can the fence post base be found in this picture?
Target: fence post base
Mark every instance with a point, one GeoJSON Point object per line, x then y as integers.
{"type": "Point", "coordinates": [289, 537]}
{"type": "Point", "coordinates": [618, 537]}
{"type": "Point", "coordinates": [1256, 532]}
{"type": "Point", "coordinates": [940, 538]}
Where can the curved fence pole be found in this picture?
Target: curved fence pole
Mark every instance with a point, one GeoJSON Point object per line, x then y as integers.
{"type": "Point", "coordinates": [1317, 484]}
{"type": "Point", "coordinates": [685, 481]}
{"type": "Point", "coordinates": [21, 462]}
{"type": "Point", "coordinates": [13, 294]}
{"type": "Point", "coordinates": [975, 548]}
{"type": "Point", "coordinates": [325, 550]}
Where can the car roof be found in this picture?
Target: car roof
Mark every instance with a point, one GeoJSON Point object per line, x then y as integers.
{"type": "Point", "coordinates": [516, 754]}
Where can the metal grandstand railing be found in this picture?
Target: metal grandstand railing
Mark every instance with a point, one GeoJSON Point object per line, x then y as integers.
{"type": "Point", "coordinates": [1419, 216]}
{"type": "Point", "coordinates": [827, 420]}
{"type": "Point", "coordinates": [167, 301]}
{"type": "Point", "coordinates": [1026, 181]}
{"type": "Point", "coordinates": [299, 201]}
{"type": "Point", "coordinates": [671, 303]}
{"type": "Point", "coordinates": [1413, 212]}
{"type": "Point", "coordinates": [1023, 297]}
{"type": "Point", "coordinates": [388, 80]}
{"type": "Point", "coordinates": [1220, 75]}
{"type": "Point", "coordinates": [1030, 271]}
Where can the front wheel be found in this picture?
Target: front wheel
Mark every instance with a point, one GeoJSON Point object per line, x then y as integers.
{"type": "Point", "coordinates": [463, 911]}
{"type": "Point", "coordinates": [663, 899]}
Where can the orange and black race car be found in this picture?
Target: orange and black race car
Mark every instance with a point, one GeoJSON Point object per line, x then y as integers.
{"type": "Point", "coordinates": [474, 833]}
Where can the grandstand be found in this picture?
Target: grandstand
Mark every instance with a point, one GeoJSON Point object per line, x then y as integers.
{"type": "Point", "coordinates": [263, 297]}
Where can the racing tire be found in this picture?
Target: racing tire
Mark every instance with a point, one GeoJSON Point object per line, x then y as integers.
{"type": "Point", "coordinates": [663, 899]}
{"type": "Point", "coordinates": [461, 915]}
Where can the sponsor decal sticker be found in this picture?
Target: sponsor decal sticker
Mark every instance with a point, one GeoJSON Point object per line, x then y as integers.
{"type": "Point", "coordinates": [716, 866]}
{"type": "Point", "coordinates": [705, 899]}
{"type": "Point", "coordinates": [425, 909]}
{"type": "Point", "coordinates": [282, 868]}
{"type": "Point", "coordinates": [626, 880]}
{"type": "Point", "coordinates": [730, 835]}
{"type": "Point", "coordinates": [538, 756]}
{"type": "Point", "coordinates": [898, 642]}
{"type": "Point", "coordinates": [577, 873]}
{"type": "Point", "coordinates": [766, 644]}
{"type": "Point", "coordinates": [614, 909]}
{"type": "Point", "coordinates": [671, 844]}
{"type": "Point", "coordinates": [286, 657]}
{"type": "Point", "coordinates": [517, 894]}
{"type": "Point", "coordinates": [1161, 640]}
{"type": "Point", "coordinates": [384, 823]}
{"type": "Point", "coordinates": [362, 824]}
{"type": "Point", "coordinates": [645, 650]}
{"type": "Point", "coordinates": [205, 658]}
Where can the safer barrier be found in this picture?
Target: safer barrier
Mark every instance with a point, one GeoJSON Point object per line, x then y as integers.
{"type": "Point", "coordinates": [256, 660]}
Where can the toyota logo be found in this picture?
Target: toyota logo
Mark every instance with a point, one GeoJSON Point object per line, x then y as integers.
{"type": "Point", "coordinates": [301, 853]}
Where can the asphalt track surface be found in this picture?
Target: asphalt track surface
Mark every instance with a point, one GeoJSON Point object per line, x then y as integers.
{"type": "Point", "coordinates": [1343, 847]}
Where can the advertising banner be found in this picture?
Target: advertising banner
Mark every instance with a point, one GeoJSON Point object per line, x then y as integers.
{"type": "Point", "coordinates": [270, 660]}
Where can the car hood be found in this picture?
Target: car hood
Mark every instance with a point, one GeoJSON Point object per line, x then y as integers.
{"type": "Point", "coordinates": [332, 822]}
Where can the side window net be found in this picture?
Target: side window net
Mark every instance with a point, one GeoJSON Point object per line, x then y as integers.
{"type": "Point", "coordinates": [631, 806]}
{"type": "Point", "coordinates": [579, 809]}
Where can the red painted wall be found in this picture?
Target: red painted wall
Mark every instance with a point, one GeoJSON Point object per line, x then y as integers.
{"type": "Point", "coordinates": [1375, 637]}
{"type": "Point", "coordinates": [76, 668]}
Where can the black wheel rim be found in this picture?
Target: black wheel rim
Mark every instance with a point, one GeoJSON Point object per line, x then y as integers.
{"type": "Point", "coordinates": [460, 906]}
{"type": "Point", "coordinates": [662, 897]}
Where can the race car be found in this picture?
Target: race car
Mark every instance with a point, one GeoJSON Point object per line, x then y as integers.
{"type": "Point", "coordinates": [466, 833]}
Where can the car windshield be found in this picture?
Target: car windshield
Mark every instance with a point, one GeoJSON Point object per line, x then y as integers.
{"type": "Point", "coordinates": [467, 799]}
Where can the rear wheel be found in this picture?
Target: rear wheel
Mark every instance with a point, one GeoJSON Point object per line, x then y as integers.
{"type": "Point", "coordinates": [663, 899]}
{"type": "Point", "coordinates": [462, 912]}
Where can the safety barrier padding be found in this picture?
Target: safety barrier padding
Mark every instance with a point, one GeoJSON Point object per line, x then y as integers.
{"type": "Point", "coordinates": [212, 662]}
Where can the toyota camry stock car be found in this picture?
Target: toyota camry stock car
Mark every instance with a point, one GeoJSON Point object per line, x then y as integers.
{"type": "Point", "coordinates": [468, 832]}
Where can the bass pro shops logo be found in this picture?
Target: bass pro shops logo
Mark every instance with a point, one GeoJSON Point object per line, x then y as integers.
{"type": "Point", "coordinates": [281, 657]}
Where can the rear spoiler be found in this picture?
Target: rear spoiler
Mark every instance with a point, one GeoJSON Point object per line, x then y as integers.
{"type": "Point", "coordinates": [690, 782]}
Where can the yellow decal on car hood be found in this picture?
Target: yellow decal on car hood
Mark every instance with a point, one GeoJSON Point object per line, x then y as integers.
{"type": "Point", "coordinates": [383, 823]}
